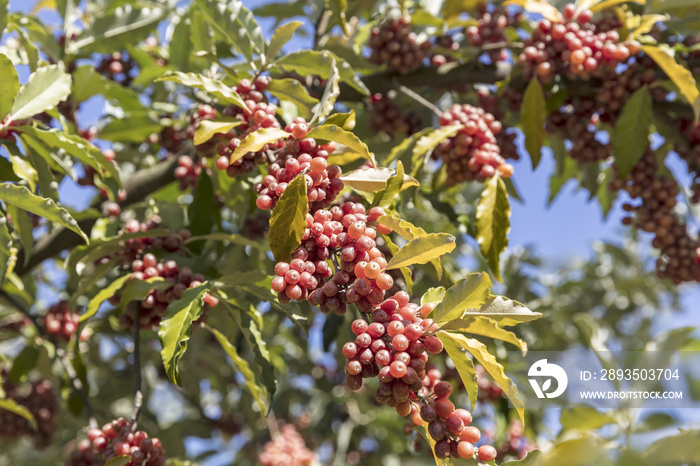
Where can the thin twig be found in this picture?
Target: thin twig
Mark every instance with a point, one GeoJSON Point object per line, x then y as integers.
{"type": "Point", "coordinates": [320, 26]}
{"type": "Point", "coordinates": [272, 426]}
{"type": "Point", "coordinates": [502, 45]}
{"type": "Point", "coordinates": [77, 385]}
{"type": "Point", "coordinates": [138, 395]}
{"type": "Point", "coordinates": [418, 98]}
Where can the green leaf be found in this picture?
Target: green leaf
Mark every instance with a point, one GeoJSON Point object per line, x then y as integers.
{"type": "Point", "coordinates": [5, 248]}
{"type": "Point", "coordinates": [22, 167]}
{"type": "Point", "coordinates": [137, 290]}
{"type": "Point", "coordinates": [21, 197]}
{"type": "Point", "coordinates": [103, 295]}
{"type": "Point", "coordinates": [218, 89]}
{"type": "Point", "coordinates": [291, 90]}
{"type": "Point", "coordinates": [207, 129]}
{"type": "Point", "coordinates": [3, 15]}
{"type": "Point", "coordinates": [288, 220]}
{"type": "Point", "coordinates": [91, 278]}
{"type": "Point", "coordinates": [113, 30]}
{"type": "Point", "coordinates": [433, 295]}
{"type": "Point", "coordinates": [676, 449]}
{"type": "Point", "coordinates": [258, 392]}
{"type": "Point", "coordinates": [631, 135]}
{"type": "Point", "coordinates": [256, 140]}
{"type": "Point", "coordinates": [345, 121]}
{"type": "Point", "coordinates": [479, 351]}
{"type": "Point", "coordinates": [176, 328]}
{"type": "Point", "coordinates": [493, 223]}
{"type": "Point", "coordinates": [404, 228]}
{"type": "Point", "coordinates": [236, 25]}
{"type": "Point", "coordinates": [480, 325]}
{"type": "Point", "coordinates": [583, 451]}
{"type": "Point", "coordinates": [390, 194]}
{"type": "Point", "coordinates": [314, 62]}
{"type": "Point", "coordinates": [532, 119]}
{"type": "Point", "coordinates": [681, 77]}
{"type": "Point", "coordinates": [203, 213]}
{"type": "Point", "coordinates": [465, 368]}
{"type": "Point", "coordinates": [506, 312]}
{"type": "Point", "coordinates": [11, 405]}
{"type": "Point", "coordinates": [584, 417]}
{"type": "Point", "coordinates": [23, 363]}
{"type": "Point", "coordinates": [281, 36]}
{"type": "Point", "coordinates": [425, 145]}
{"type": "Point", "coordinates": [24, 227]}
{"type": "Point", "coordinates": [532, 458]}
{"type": "Point", "coordinates": [9, 81]}
{"type": "Point", "coordinates": [470, 292]}
{"type": "Point", "coordinates": [87, 83]}
{"type": "Point", "coordinates": [46, 87]}
{"type": "Point", "coordinates": [134, 128]}
{"type": "Point", "coordinates": [332, 132]}
{"type": "Point", "coordinates": [119, 461]}
{"type": "Point", "coordinates": [338, 9]}
{"type": "Point", "coordinates": [372, 180]}
{"type": "Point", "coordinates": [422, 250]}
{"type": "Point", "coordinates": [330, 94]}
{"type": "Point", "coordinates": [566, 168]}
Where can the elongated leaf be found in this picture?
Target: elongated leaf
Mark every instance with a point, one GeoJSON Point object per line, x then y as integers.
{"type": "Point", "coordinates": [119, 461]}
{"type": "Point", "coordinates": [604, 5]}
{"type": "Point", "coordinates": [137, 290]}
{"type": "Point", "coordinates": [464, 365]}
{"type": "Point", "coordinates": [425, 145]}
{"type": "Point", "coordinates": [87, 83]}
{"type": "Point", "coordinates": [122, 26]}
{"type": "Point", "coordinates": [532, 458]}
{"type": "Point", "coordinates": [24, 228]}
{"type": "Point", "coordinates": [176, 328]}
{"type": "Point", "coordinates": [88, 280]}
{"type": "Point", "coordinates": [291, 90]}
{"type": "Point", "coordinates": [11, 405]}
{"type": "Point", "coordinates": [330, 94]}
{"type": "Point", "coordinates": [506, 312]}
{"type": "Point", "coordinates": [470, 292]}
{"type": "Point", "coordinates": [331, 132]}
{"type": "Point", "coordinates": [5, 247]}
{"type": "Point", "coordinates": [103, 295]}
{"type": "Point", "coordinates": [479, 351]}
{"type": "Point", "coordinates": [404, 228]}
{"type": "Point", "coordinates": [46, 87]}
{"type": "Point", "coordinates": [632, 129]}
{"type": "Point", "coordinates": [422, 250]}
{"type": "Point", "coordinates": [241, 364]}
{"type": "Point", "coordinates": [3, 15]}
{"type": "Point", "coordinates": [314, 62]}
{"type": "Point", "coordinates": [480, 325]}
{"type": "Point", "coordinates": [21, 197]}
{"type": "Point", "coordinates": [9, 82]}
{"type": "Point", "coordinates": [532, 119]}
{"type": "Point", "coordinates": [288, 220]}
{"type": "Point", "coordinates": [256, 140]}
{"type": "Point", "coordinates": [134, 128]}
{"type": "Point", "coordinates": [390, 194]}
{"type": "Point", "coordinates": [433, 295]}
{"type": "Point", "coordinates": [22, 167]}
{"type": "Point", "coordinates": [680, 76]}
{"type": "Point", "coordinates": [236, 25]}
{"type": "Point", "coordinates": [372, 180]}
{"type": "Point", "coordinates": [281, 36]}
{"type": "Point", "coordinates": [215, 88]}
{"type": "Point", "coordinates": [345, 121]}
{"type": "Point", "coordinates": [338, 9]}
{"type": "Point", "coordinates": [493, 223]}
{"type": "Point", "coordinates": [541, 7]}
{"type": "Point", "coordinates": [582, 451]}
{"type": "Point", "coordinates": [678, 449]}
{"type": "Point", "coordinates": [584, 417]}
{"type": "Point", "coordinates": [207, 129]}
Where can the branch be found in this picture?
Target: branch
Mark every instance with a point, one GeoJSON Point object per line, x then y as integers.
{"type": "Point", "coordinates": [138, 395]}
{"type": "Point", "coordinates": [420, 99]}
{"type": "Point", "coordinates": [137, 188]}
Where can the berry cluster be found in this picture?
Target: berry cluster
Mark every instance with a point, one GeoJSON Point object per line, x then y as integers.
{"type": "Point", "coordinates": [679, 259]}
{"type": "Point", "coordinates": [187, 172]}
{"type": "Point", "coordinates": [573, 47]}
{"type": "Point", "coordinates": [387, 117]}
{"type": "Point", "coordinates": [491, 29]}
{"type": "Point", "coordinates": [286, 449]}
{"type": "Point", "coordinates": [690, 152]}
{"type": "Point", "coordinates": [301, 156]}
{"type": "Point", "coordinates": [117, 67]}
{"type": "Point", "coordinates": [60, 322]}
{"type": "Point", "coordinates": [580, 129]}
{"type": "Point", "coordinates": [115, 439]}
{"type": "Point", "coordinates": [496, 105]}
{"type": "Point", "coordinates": [393, 44]}
{"type": "Point", "coordinates": [153, 307]}
{"type": "Point", "coordinates": [515, 443]}
{"type": "Point", "coordinates": [443, 50]}
{"type": "Point", "coordinates": [40, 399]}
{"type": "Point", "coordinates": [473, 154]}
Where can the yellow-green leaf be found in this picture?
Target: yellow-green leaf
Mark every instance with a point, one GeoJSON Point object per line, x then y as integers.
{"type": "Point", "coordinates": [103, 295]}
{"type": "Point", "coordinates": [46, 87]}
{"type": "Point", "coordinates": [207, 129]}
{"type": "Point", "coordinates": [224, 93]}
{"type": "Point", "coordinates": [470, 292]}
{"type": "Point", "coordinates": [422, 250]}
{"type": "Point", "coordinates": [425, 145]}
{"type": "Point", "coordinates": [9, 85]}
{"type": "Point", "coordinates": [331, 132]}
{"type": "Point", "coordinates": [681, 77]}
{"type": "Point", "coordinates": [11, 405]}
{"type": "Point", "coordinates": [176, 328]}
{"type": "Point", "coordinates": [631, 134]}
{"type": "Point", "coordinates": [639, 25]}
{"type": "Point", "coordinates": [330, 93]}
{"type": "Point", "coordinates": [479, 351]}
{"type": "Point", "coordinates": [241, 364]}
{"type": "Point", "coordinates": [256, 140]}
{"type": "Point", "coordinates": [119, 461]}
{"type": "Point", "coordinates": [480, 325]}
{"type": "Point", "coordinates": [433, 295]}
{"type": "Point", "coordinates": [372, 180]}
{"type": "Point", "coordinates": [291, 90]}
{"type": "Point", "coordinates": [584, 417]}
{"type": "Point", "coordinates": [532, 118]}
{"type": "Point", "coordinates": [541, 7]}
{"type": "Point", "coordinates": [281, 36]}
{"type": "Point", "coordinates": [345, 121]}
{"type": "Point", "coordinates": [288, 220]}
{"type": "Point", "coordinates": [582, 451]}
{"type": "Point", "coordinates": [493, 223]}
{"type": "Point", "coordinates": [394, 186]}
{"type": "Point", "coordinates": [21, 197]}
{"type": "Point", "coordinates": [464, 365]}
{"type": "Point", "coordinates": [611, 3]}
{"type": "Point", "coordinates": [404, 228]}
{"type": "Point", "coordinates": [676, 449]}
{"type": "Point", "coordinates": [505, 312]}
